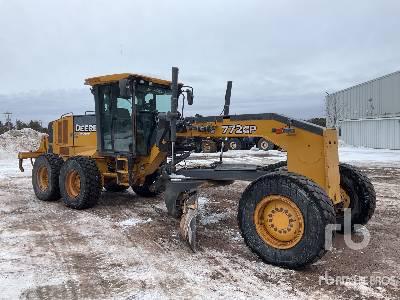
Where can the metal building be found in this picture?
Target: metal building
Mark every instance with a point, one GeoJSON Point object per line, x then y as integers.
{"type": "Point", "coordinates": [367, 114]}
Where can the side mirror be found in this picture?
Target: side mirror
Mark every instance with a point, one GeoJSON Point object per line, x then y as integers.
{"type": "Point", "coordinates": [124, 90]}
{"type": "Point", "coordinates": [190, 97]}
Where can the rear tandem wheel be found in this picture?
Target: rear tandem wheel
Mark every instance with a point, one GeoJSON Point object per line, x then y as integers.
{"type": "Point", "coordinates": [45, 172]}
{"type": "Point", "coordinates": [80, 182]}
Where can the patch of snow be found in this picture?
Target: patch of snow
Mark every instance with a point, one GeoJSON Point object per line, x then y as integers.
{"type": "Point", "coordinates": [365, 290]}
{"type": "Point", "coordinates": [177, 176]}
{"type": "Point", "coordinates": [201, 201]}
{"type": "Point", "coordinates": [133, 222]}
{"type": "Point", "coordinates": [213, 218]}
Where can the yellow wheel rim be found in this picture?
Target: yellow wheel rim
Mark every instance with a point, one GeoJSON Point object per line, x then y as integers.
{"type": "Point", "coordinates": [43, 178]}
{"type": "Point", "coordinates": [279, 221]}
{"type": "Point", "coordinates": [73, 183]}
{"type": "Point", "coordinates": [345, 198]}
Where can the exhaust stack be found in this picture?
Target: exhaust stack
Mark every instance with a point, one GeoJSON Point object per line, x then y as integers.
{"type": "Point", "coordinates": [227, 98]}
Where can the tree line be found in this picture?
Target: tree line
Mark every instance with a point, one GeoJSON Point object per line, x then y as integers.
{"type": "Point", "coordinates": [34, 124]}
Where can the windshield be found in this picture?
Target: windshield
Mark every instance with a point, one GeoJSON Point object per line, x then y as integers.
{"type": "Point", "coordinates": [117, 117]}
{"type": "Point", "coordinates": [153, 98]}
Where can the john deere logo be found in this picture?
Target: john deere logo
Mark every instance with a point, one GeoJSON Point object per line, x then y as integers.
{"type": "Point", "coordinates": [85, 128]}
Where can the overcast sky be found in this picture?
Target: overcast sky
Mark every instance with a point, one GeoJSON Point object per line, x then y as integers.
{"type": "Point", "coordinates": [281, 55]}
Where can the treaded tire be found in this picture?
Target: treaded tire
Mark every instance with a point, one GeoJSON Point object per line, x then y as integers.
{"type": "Point", "coordinates": [235, 144]}
{"type": "Point", "coordinates": [144, 190]}
{"type": "Point", "coordinates": [265, 145]}
{"type": "Point", "coordinates": [314, 204]}
{"type": "Point", "coordinates": [113, 187]}
{"type": "Point", "coordinates": [90, 182]}
{"type": "Point", "coordinates": [53, 164]}
{"type": "Point", "coordinates": [362, 195]}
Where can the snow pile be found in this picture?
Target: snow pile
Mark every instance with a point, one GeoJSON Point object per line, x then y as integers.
{"type": "Point", "coordinates": [25, 139]}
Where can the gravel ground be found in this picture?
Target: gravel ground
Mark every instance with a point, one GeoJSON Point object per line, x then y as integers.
{"type": "Point", "coordinates": [127, 247]}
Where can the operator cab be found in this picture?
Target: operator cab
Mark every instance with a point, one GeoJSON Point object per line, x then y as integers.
{"type": "Point", "coordinates": [125, 126]}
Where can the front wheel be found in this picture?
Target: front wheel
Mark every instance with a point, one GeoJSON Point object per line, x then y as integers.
{"type": "Point", "coordinates": [146, 190]}
{"type": "Point", "coordinates": [80, 182]}
{"type": "Point", "coordinates": [114, 187]}
{"type": "Point", "coordinates": [282, 217]}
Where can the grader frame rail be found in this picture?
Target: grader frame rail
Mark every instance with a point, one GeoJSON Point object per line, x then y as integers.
{"type": "Point", "coordinates": [140, 139]}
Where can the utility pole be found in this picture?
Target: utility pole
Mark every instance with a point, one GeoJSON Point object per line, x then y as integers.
{"type": "Point", "coordinates": [8, 119]}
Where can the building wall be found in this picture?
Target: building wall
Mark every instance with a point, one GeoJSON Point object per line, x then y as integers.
{"type": "Point", "coordinates": [374, 133]}
{"type": "Point", "coordinates": [376, 98]}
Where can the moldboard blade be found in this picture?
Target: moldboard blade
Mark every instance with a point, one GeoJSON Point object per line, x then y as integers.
{"type": "Point", "coordinates": [188, 224]}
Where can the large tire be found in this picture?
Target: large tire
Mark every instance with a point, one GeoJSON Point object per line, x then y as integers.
{"type": "Point", "coordinates": [264, 144]}
{"type": "Point", "coordinates": [235, 144]}
{"type": "Point", "coordinates": [114, 187]}
{"type": "Point", "coordinates": [360, 193]}
{"type": "Point", "coordinates": [312, 206]}
{"type": "Point", "coordinates": [80, 182]}
{"type": "Point", "coordinates": [45, 173]}
{"type": "Point", "coordinates": [144, 190]}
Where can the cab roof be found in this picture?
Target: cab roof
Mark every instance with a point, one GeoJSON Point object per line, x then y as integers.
{"type": "Point", "coordinates": [116, 77]}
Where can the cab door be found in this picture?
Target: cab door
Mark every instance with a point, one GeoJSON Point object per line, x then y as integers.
{"type": "Point", "coordinates": [114, 121]}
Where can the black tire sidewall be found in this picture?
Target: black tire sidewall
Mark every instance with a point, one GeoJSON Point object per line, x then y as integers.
{"type": "Point", "coordinates": [69, 166]}
{"type": "Point", "coordinates": [347, 184]}
{"type": "Point", "coordinates": [88, 195]}
{"type": "Point", "coordinates": [144, 190]}
{"type": "Point", "coordinates": [52, 192]}
{"type": "Point", "coordinates": [363, 192]}
{"type": "Point", "coordinates": [308, 248]}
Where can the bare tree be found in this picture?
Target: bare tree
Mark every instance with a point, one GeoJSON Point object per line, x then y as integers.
{"type": "Point", "coordinates": [334, 110]}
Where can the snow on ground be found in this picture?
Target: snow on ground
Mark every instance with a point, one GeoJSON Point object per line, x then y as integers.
{"type": "Point", "coordinates": [133, 222]}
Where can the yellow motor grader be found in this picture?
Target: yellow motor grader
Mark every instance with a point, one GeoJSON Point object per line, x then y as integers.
{"type": "Point", "coordinates": [137, 138]}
